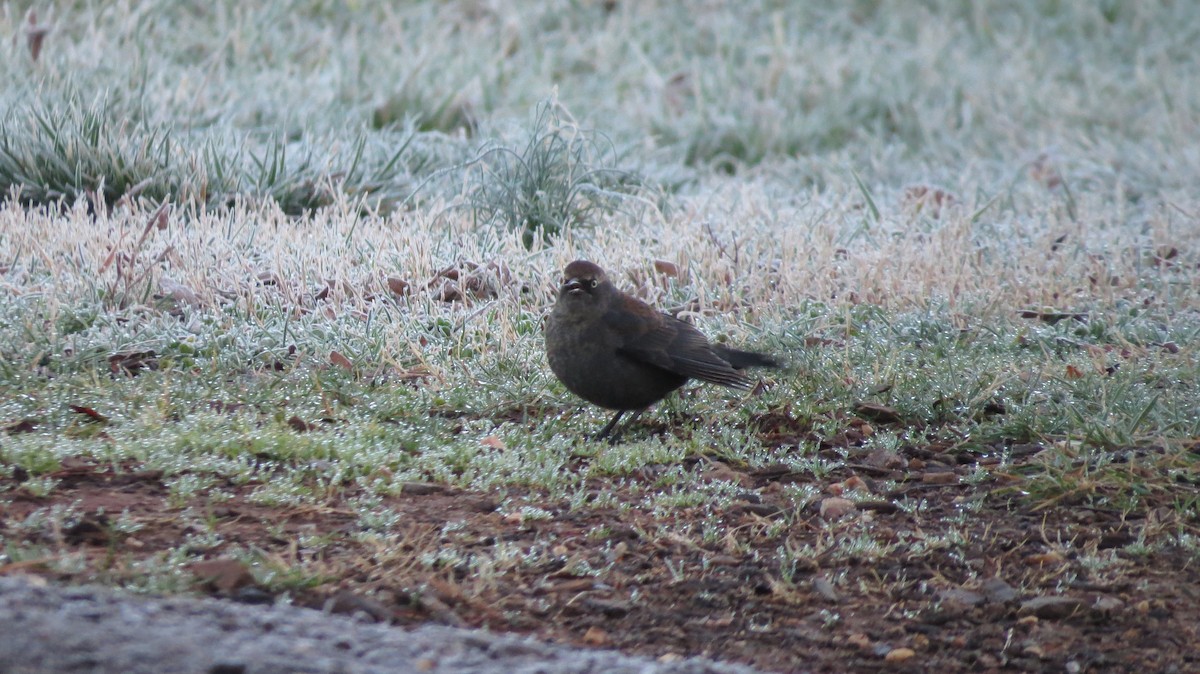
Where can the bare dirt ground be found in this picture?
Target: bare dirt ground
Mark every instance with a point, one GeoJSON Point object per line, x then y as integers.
{"type": "Point", "coordinates": [1021, 591]}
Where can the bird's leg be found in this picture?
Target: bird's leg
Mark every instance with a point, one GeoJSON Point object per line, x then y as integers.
{"type": "Point", "coordinates": [616, 437]}
{"type": "Point", "coordinates": [609, 426]}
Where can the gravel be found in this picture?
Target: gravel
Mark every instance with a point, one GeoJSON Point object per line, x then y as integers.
{"type": "Point", "coordinates": [47, 629]}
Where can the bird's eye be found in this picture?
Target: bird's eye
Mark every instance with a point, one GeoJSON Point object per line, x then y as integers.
{"type": "Point", "coordinates": [595, 283]}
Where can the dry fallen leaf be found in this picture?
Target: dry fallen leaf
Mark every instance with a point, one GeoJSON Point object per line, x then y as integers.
{"type": "Point", "coordinates": [666, 268]}
{"type": "Point", "coordinates": [398, 286]}
{"type": "Point", "coordinates": [595, 636]}
{"type": "Point", "coordinates": [859, 641]}
{"type": "Point", "coordinates": [940, 477]}
{"type": "Point", "coordinates": [885, 458]}
{"type": "Point", "coordinates": [448, 291]}
{"type": "Point", "coordinates": [835, 507]}
{"type": "Point", "coordinates": [22, 426]}
{"type": "Point", "coordinates": [470, 281]}
{"type": "Point", "coordinates": [1052, 607]}
{"type": "Point", "coordinates": [223, 574]}
{"type": "Point", "coordinates": [35, 35]}
{"type": "Point", "coordinates": [923, 198]}
{"type": "Point", "coordinates": [1045, 559]}
{"type": "Point", "coordinates": [1164, 255]}
{"type": "Point", "coordinates": [1043, 171]}
{"type": "Point", "coordinates": [340, 361]}
{"type": "Point", "coordinates": [493, 442]}
{"type": "Point", "coordinates": [131, 364]}
{"type": "Point", "coordinates": [855, 482]}
{"type": "Point", "coordinates": [878, 413]}
{"type": "Point", "coordinates": [90, 413]}
{"type": "Point", "coordinates": [181, 294]}
{"type": "Point", "coordinates": [300, 426]}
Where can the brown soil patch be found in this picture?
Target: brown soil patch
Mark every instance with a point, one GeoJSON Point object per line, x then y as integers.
{"type": "Point", "coordinates": [1021, 589]}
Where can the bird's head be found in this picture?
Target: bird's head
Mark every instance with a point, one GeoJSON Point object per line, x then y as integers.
{"type": "Point", "coordinates": [582, 279]}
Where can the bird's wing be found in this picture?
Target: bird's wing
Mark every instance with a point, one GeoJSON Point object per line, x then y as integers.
{"type": "Point", "coordinates": [666, 342]}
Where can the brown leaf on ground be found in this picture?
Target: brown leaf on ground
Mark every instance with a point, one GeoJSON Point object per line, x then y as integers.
{"type": "Point", "coordinates": [470, 281]}
{"type": "Point", "coordinates": [412, 374]}
{"type": "Point", "coordinates": [1165, 255]}
{"type": "Point", "coordinates": [1052, 608]}
{"type": "Point", "coordinates": [876, 412]}
{"type": "Point", "coordinates": [222, 407]}
{"type": "Point", "coordinates": [35, 35]}
{"type": "Point", "coordinates": [300, 426]}
{"type": "Point", "coordinates": [341, 361]}
{"type": "Point", "coordinates": [22, 426]}
{"type": "Point", "coordinates": [397, 285]}
{"type": "Point", "coordinates": [223, 575]}
{"type": "Point", "coordinates": [493, 442]}
{"type": "Point", "coordinates": [439, 611]}
{"type": "Point", "coordinates": [669, 269]}
{"type": "Point", "coordinates": [131, 364]}
{"type": "Point", "coordinates": [90, 413]}
{"type": "Point", "coordinates": [885, 459]}
{"type": "Point", "coordinates": [448, 291]}
{"type": "Point", "coordinates": [1042, 170]}
{"type": "Point", "coordinates": [594, 636]}
{"type": "Point", "coordinates": [357, 605]}
{"type": "Point", "coordinates": [855, 482]}
{"type": "Point", "coordinates": [835, 507]}
{"type": "Point", "coordinates": [939, 477]}
{"type": "Point", "coordinates": [178, 293]}
{"type": "Point", "coordinates": [928, 199]}
{"type": "Point", "coordinates": [899, 655]}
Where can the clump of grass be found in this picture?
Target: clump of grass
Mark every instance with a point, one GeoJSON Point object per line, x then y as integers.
{"type": "Point", "coordinates": [53, 151]}
{"type": "Point", "coordinates": [102, 151]}
{"type": "Point", "coordinates": [562, 178]}
{"type": "Point", "coordinates": [411, 106]}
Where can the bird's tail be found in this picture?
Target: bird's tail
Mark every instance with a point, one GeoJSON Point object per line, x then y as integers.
{"type": "Point", "coordinates": [743, 359]}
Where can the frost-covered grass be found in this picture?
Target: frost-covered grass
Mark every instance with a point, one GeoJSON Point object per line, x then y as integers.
{"type": "Point", "coordinates": [367, 205]}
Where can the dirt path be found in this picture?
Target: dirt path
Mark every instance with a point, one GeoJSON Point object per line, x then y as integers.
{"type": "Point", "coordinates": [49, 629]}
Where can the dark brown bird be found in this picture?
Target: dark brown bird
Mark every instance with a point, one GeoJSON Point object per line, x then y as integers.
{"type": "Point", "coordinates": [616, 351]}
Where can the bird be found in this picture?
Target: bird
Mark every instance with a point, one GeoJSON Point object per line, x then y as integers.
{"type": "Point", "coordinates": [616, 351]}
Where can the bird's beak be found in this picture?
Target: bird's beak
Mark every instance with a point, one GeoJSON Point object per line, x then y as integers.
{"type": "Point", "coordinates": [573, 285]}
